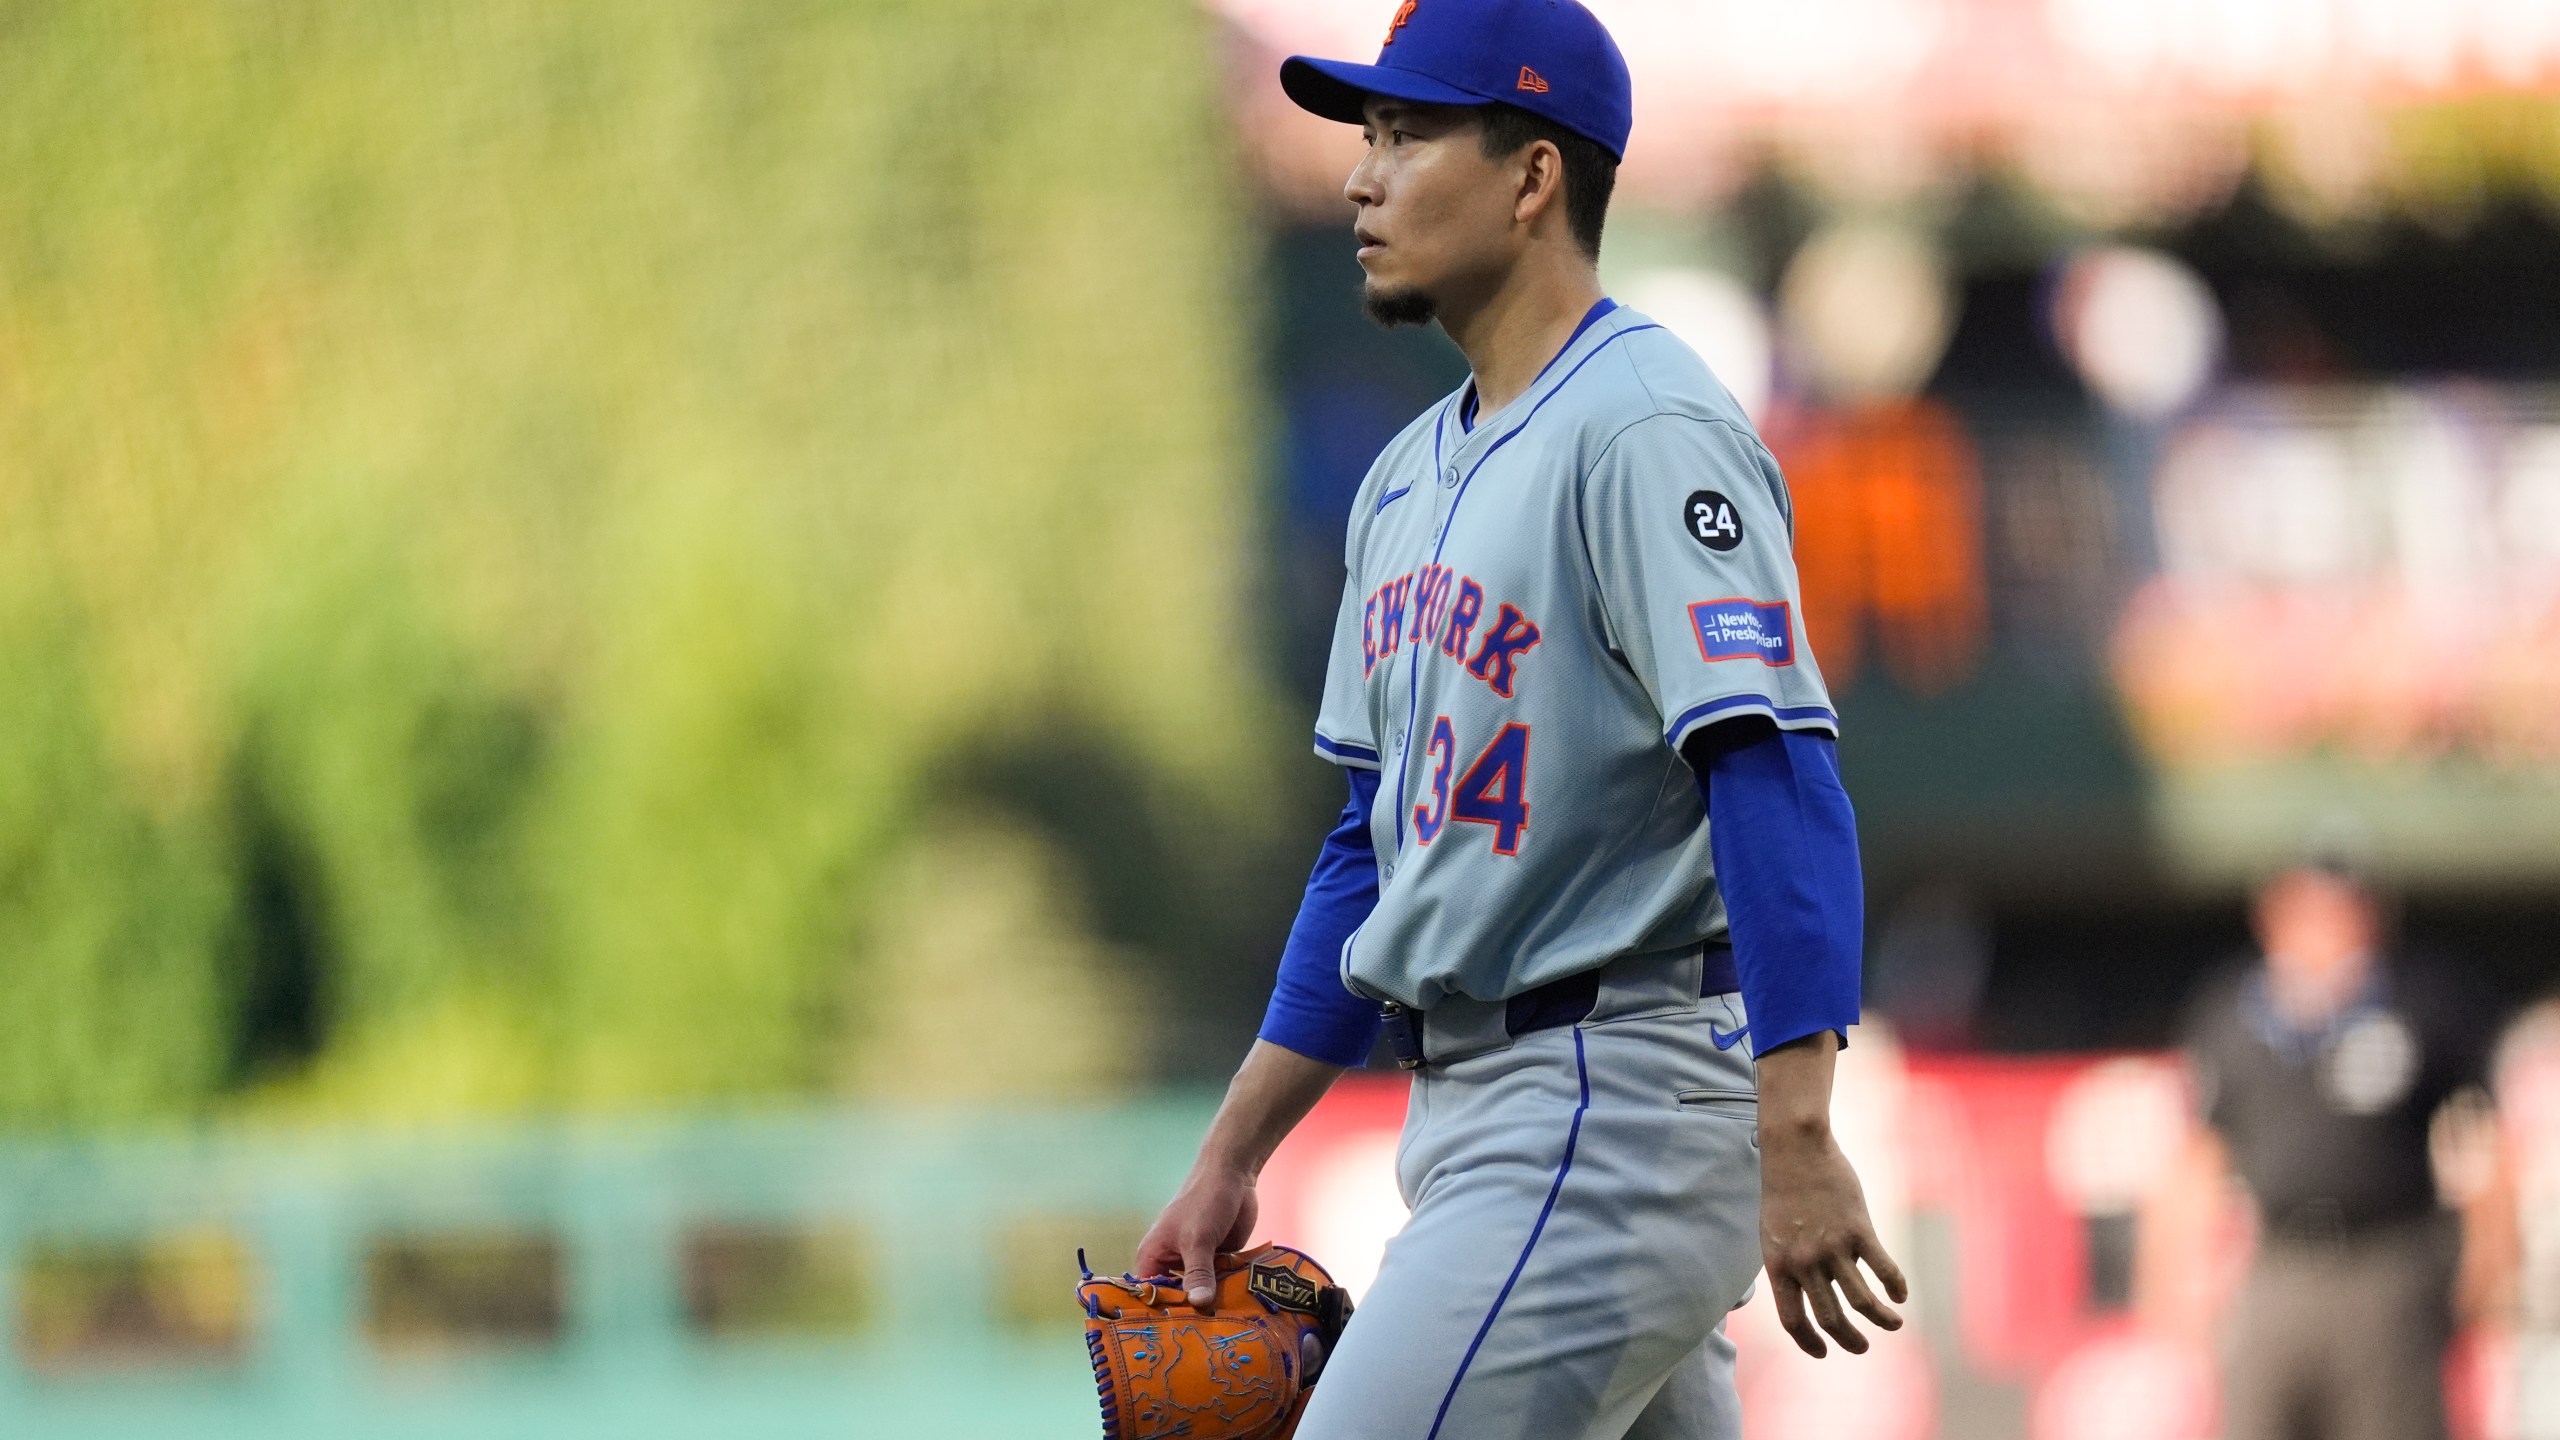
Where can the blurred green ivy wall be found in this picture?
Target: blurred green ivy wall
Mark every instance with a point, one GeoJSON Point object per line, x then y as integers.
{"type": "Point", "coordinates": [539, 543]}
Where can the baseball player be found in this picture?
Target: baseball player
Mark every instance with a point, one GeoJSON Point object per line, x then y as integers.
{"type": "Point", "coordinates": [1597, 868]}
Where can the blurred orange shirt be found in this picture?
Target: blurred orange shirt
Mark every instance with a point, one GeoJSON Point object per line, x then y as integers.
{"type": "Point", "coordinates": [1888, 511]}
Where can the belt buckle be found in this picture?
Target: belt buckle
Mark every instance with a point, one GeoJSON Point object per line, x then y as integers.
{"type": "Point", "coordinates": [1404, 1033]}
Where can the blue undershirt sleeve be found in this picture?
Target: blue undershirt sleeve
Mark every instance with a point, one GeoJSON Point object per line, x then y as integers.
{"type": "Point", "coordinates": [1786, 850]}
{"type": "Point", "coordinates": [1311, 1011]}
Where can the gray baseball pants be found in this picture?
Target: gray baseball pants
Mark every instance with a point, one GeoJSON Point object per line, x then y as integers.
{"type": "Point", "coordinates": [1585, 1211]}
{"type": "Point", "coordinates": [2345, 1340]}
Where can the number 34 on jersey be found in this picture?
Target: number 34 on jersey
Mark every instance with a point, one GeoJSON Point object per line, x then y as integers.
{"type": "Point", "coordinates": [1493, 791]}
{"type": "Point", "coordinates": [1435, 609]}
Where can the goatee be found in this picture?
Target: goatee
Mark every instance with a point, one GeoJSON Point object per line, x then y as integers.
{"type": "Point", "coordinates": [1389, 308]}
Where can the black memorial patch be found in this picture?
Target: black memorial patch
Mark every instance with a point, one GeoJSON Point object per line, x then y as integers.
{"type": "Point", "coordinates": [1712, 520]}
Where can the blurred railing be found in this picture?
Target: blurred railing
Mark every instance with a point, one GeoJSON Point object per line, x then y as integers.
{"type": "Point", "coordinates": [804, 1275]}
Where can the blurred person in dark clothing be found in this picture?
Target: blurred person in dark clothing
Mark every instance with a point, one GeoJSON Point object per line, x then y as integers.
{"type": "Point", "coordinates": [2325, 1073]}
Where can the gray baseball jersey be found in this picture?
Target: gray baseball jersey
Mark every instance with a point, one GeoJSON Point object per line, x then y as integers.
{"type": "Point", "coordinates": [1539, 609]}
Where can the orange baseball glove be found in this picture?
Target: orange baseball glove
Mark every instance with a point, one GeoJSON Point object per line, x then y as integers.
{"type": "Point", "coordinates": [1242, 1370]}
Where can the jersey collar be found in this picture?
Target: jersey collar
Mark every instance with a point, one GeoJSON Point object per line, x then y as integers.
{"type": "Point", "coordinates": [1470, 425]}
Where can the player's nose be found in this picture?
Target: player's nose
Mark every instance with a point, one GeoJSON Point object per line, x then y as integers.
{"type": "Point", "coordinates": [1361, 188]}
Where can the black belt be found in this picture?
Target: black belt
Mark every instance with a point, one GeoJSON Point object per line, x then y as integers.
{"type": "Point", "coordinates": [1558, 1002]}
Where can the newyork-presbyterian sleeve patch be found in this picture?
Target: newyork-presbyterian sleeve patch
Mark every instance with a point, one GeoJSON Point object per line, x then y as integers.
{"type": "Point", "coordinates": [1739, 629]}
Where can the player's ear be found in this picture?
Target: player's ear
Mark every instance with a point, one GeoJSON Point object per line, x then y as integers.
{"type": "Point", "coordinates": [1540, 181]}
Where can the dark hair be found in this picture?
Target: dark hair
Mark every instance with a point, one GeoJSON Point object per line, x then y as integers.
{"type": "Point", "coordinates": [1590, 172]}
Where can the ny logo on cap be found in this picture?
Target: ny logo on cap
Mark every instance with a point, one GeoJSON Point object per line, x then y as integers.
{"type": "Point", "coordinates": [1532, 81]}
{"type": "Point", "coordinates": [1404, 12]}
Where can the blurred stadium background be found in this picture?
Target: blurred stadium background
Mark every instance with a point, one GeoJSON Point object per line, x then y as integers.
{"type": "Point", "coordinates": [654, 661]}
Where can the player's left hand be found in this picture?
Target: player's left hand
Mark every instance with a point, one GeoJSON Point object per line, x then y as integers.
{"type": "Point", "coordinates": [1814, 1231]}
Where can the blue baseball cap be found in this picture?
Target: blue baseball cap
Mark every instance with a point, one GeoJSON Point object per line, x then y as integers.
{"type": "Point", "coordinates": [1549, 57]}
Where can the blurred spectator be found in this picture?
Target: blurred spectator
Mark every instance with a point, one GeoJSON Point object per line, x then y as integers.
{"type": "Point", "coordinates": [2332, 1081]}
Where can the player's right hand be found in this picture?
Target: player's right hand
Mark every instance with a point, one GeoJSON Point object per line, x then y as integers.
{"type": "Point", "coordinates": [1213, 1211]}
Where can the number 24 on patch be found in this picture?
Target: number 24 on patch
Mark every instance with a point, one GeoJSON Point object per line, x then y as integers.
{"type": "Point", "coordinates": [1494, 790]}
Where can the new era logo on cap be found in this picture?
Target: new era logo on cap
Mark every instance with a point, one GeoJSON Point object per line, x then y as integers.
{"type": "Point", "coordinates": [1532, 81]}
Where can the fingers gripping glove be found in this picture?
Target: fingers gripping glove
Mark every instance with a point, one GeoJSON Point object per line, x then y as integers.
{"type": "Point", "coordinates": [1240, 1371]}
